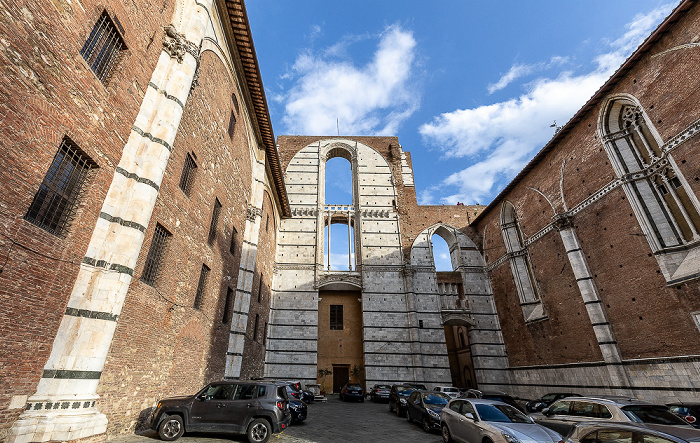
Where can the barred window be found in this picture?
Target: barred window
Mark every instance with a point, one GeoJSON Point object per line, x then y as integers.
{"type": "Point", "coordinates": [227, 306]}
{"type": "Point", "coordinates": [336, 317]}
{"type": "Point", "coordinates": [154, 259]}
{"type": "Point", "coordinates": [188, 171]}
{"type": "Point", "coordinates": [56, 201]}
{"type": "Point", "coordinates": [231, 125]}
{"type": "Point", "coordinates": [104, 47]}
{"type": "Point", "coordinates": [232, 247]}
{"type": "Point", "coordinates": [201, 286]}
{"type": "Point", "coordinates": [214, 221]}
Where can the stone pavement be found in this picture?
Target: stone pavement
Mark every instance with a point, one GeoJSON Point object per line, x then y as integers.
{"type": "Point", "coordinates": [328, 422]}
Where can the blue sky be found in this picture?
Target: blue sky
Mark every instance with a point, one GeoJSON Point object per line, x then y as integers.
{"type": "Point", "coordinates": [471, 88]}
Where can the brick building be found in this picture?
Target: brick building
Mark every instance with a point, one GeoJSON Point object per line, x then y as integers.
{"type": "Point", "coordinates": [153, 237]}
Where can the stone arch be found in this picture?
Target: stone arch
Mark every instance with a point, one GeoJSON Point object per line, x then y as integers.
{"type": "Point", "coordinates": [457, 241]}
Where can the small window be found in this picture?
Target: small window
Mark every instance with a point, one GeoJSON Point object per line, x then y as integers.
{"type": "Point", "coordinates": [103, 48]}
{"type": "Point", "coordinates": [234, 99]}
{"type": "Point", "coordinates": [232, 247]}
{"type": "Point", "coordinates": [188, 171]}
{"type": "Point", "coordinates": [336, 317]}
{"type": "Point", "coordinates": [151, 269]}
{"type": "Point", "coordinates": [663, 190]}
{"type": "Point", "coordinates": [675, 182]}
{"type": "Point", "coordinates": [232, 125]}
{"type": "Point", "coordinates": [420, 324]}
{"type": "Point", "coordinates": [267, 222]}
{"type": "Point", "coordinates": [255, 327]}
{"type": "Point", "coordinates": [201, 286]}
{"type": "Point", "coordinates": [260, 285]}
{"type": "Point", "coordinates": [227, 306]}
{"type": "Point", "coordinates": [214, 221]}
{"type": "Point", "coordinates": [265, 334]}
{"type": "Point", "coordinates": [56, 201]}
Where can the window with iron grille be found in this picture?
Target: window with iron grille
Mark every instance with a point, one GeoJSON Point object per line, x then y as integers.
{"type": "Point", "coordinates": [232, 248]}
{"type": "Point", "coordinates": [227, 306]}
{"type": "Point", "coordinates": [56, 201]}
{"type": "Point", "coordinates": [231, 125]}
{"type": "Point", "coordinates": [255, 328]}
{"type": "Point", "coordinates": [154, 259]}
{"type": "Point", "coordinates": [201, 287]}
{"type": "Point", "coordinates": [104, 47]}
{"type": "Point", "coordinates": [188, 171]}
{"type": "Point", "coordinates": [214, 221]}
{"type": "Point", "coordinates": [336, 317]}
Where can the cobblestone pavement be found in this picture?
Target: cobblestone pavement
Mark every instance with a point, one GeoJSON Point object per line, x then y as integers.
{"type": "Point", "coordinates": [328, 422]}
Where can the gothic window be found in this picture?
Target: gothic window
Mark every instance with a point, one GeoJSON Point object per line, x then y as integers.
{"type": "Point", "coordinates": [151, 269]}
{"type": "Point", "coordinates": [104, 47]}
{"type": "Point", "coordinates": [56, 201]}
{"type": "Point", "coordinates": [201, 287]}
{"type": "Point", "coordinates": [214, 221]}
{"type": "Point", "coordinates": [520, 264]}
{"type": "Point", "coordinates": [667, 209]}
{"type": "Point", "coordinates": [441, 253]}
{"type": "Point", "coordinates": [188, 171]}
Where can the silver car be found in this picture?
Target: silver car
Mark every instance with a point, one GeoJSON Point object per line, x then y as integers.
{"type": "Point", "coordinates": [477, 420]}
{"type": "Point", "coordinates": [589, 432]}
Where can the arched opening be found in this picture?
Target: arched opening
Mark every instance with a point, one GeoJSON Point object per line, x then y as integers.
{"type": "Point", "coordinates": [339, 246]}
{"type": "Point", "coordinates": [338, 186]}
{"type": "Point", "coordinates": [441, 254]}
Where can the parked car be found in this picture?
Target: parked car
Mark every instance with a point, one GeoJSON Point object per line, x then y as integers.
{"type": "Point", "coordinates": [398, 398]}
{"type": "Point", "coordinates": [416, 385]}
{"type": "Point", "coordinates": [546, 400]}
{"type": "Point", "coordinates": [449, 390]}
{"type": "Point", "coordinates": [299, 410]}
{"type": "Point", "coordinates": [305, 395]}
{"type": "Point", "coordinates": [586, 432]}
{"type": "Point", "coordinates": [352, 391]}
{"type": "Point", "coordinates": [690, 412]}
{"type": "Point", "coordinates": [424, 407]}
{"type": "Point", "coordinates": [483, 420]}
{"type": "Point", "coordinates": [494, 395]}
{"type": "Point", "coordinates": [563, 414]}
{"type": "Point", "coordinates": [254, 408]}
{"type": "Point", "coordinates": [380, 392]}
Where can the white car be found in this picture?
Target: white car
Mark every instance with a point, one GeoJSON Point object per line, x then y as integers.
{"type": "Point", "coordinates": [472, 420]}
{"type": "Point", "coordinates": [449, 390]}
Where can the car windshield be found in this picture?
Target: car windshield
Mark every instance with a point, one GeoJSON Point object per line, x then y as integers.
{"type": "Point", "coordinates": [501, 413]}
{"type": "Point", "coordinates": [548, 397]}
{"type": "Point", "coordinates": [436, 399]}
{"type": "Point", "coordinates": [652, 414]}
{"type": "Point", "coordinates": [404, 392]}
{"type": "Point", "coordinates": [383, 387]}
{"type": "Point", "coordinates": [451, 390]}
{"type": "Point", "coordinates": [354, 386]}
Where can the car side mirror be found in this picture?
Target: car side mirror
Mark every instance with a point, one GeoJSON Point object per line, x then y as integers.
{"type": "Point", "coordinates": [470, 416]}
{"type": "Point", "coordinates": [546, 412]}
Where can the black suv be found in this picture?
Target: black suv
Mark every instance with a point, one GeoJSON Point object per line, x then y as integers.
{"type": "Point", "coordinates": [254, 408]}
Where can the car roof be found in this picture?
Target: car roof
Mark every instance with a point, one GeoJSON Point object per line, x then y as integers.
{"type": "Point", "coordinates": [586, 427]}
{"type": "Point", "coordinates": [483, 401]}
{"type": "Point", "coordinates": [613, 399]}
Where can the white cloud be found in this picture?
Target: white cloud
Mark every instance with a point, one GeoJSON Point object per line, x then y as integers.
{"type": "Point", "coordinates": [368, 100]}
{"type": "Point", "coordinates": [500, 138]}
{"type": "Point", "coordinates": [515, 72]}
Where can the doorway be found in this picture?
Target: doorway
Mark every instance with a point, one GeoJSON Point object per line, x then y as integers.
{"type": "Point", "coordinates": [341, 375]}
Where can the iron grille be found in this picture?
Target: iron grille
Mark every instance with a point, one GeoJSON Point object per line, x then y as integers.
{"type": "Point", "coordinates": [187, 177]}
{"type": "Point", "coordinates": [151, 269]}
{"type": "Point", "coordinates": [214, 221]}
{"type": "Point", "coordinates": [227, 306]}
{"type": "Point", "coordinates": [201, 286]}
{"type": "Point", "coordinates": [103, 48]}
{"type": "Point", "coordinates": [231, 125]}
{"type": "Point", "coordinates": [55, 203]}
{"type": "Point", "coordinates": [336, 317]}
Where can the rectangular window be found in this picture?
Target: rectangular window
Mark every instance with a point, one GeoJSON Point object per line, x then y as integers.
{"type": "Point", "coordinates": [232, 247]}
{"type": "Point", "coordinates": [227, 306]}
{"type": "Point", "coordinates": [151, 269]}
{"type": "Point", "coordinates": [56, 201]}
{"type": "Point", "coordinates": [214, 221]}
{"type": "Point", "coordinates": [188, 171]}
{"type": "Point", "coordinates": [255, 328]}
{"type": "Point", "coordinates": [336, 317]}
{"type": "Point", "coordinates": [234, 99]}
{"type": "Point", "coordinates": [103, 48]}
{"type": "Point", "coordinates": [231, 125]}
{"type": "Point", "coordinates": [265, 334]}
{"type": "Point", "coordinates": [260, 289]}
{"type": "Point", "coordinates": [201, 286]}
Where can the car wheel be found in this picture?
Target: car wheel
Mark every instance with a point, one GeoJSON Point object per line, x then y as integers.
{"type": "Point", "coordinates": [259, 431]}
{"type": "Point", "coordinates": [171, 428]}
{"type": "Point", "coordinates": [446, 436]}
{"type": "Point", "coordinates": [426, 424]}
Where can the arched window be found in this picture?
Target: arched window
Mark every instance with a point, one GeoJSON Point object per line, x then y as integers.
{"type": "Point", "coordinates": [520, 264]}
{"type": "Point", "coordinates": [665, 206]}
{"type": "Point", "coordinates": [338, 182]}
{"type": "Point", "coordinates": [441, 254]}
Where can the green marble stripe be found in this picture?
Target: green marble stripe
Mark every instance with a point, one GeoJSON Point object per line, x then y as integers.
{"type": "Point", "coordinates": [69, 374]}
{"type": "Point", "coordinates": [152, 138]}
{"type": "Point", "coordinates": [133, 176]}
{"type": "Point", "coordinates": [91, 314]}
{"type": "Point", "coordinates": [121, 221]}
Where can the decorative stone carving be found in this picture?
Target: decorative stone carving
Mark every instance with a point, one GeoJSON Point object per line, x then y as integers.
{"type": "Point", "coordinates": [352, 278]}
{"type": "Point", "coordinates": [630, 115]}
{"type": "Point", "coordinates": [252, 212]}
{"type": "Point", "coordinates": [176, 45]}
{"type": "Point", "coordinates": [562, 221]}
